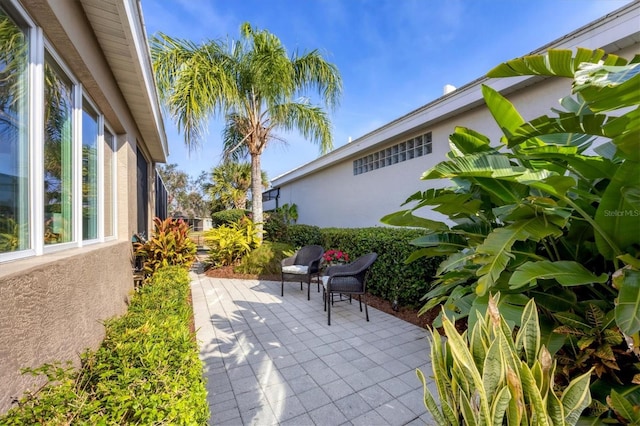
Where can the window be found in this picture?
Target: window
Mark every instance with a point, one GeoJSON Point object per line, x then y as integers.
{"type": "Point", "coordinates": [58, 156]}
{"type": "Point", "coordinates": [57, 161]}
{"type": "Point", "coordinates": [403, 151]}
{"type": "Point", "coordinates": [15, 229]}
{"type": "Point", "coordinates": [109, 183]}
{"type": "Point", "coordinates": [89, 173]}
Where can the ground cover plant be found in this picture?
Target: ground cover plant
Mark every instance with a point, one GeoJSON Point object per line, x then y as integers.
{"type": "Point", "coordinates": [542, 216]}
{"type": "Point", "coordinates": [147, 370]}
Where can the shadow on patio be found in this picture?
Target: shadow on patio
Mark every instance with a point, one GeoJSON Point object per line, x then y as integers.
{"type": "Point", "coordinates": [272, 360]}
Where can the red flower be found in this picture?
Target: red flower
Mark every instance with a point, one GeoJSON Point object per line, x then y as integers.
{"type": "Point", "coordinates": [335, 256]}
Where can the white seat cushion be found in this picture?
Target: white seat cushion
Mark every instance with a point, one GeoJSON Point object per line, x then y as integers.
{"type": "Point", "coordinates": [325, 280]}
{"type": "Point", "coordinates": [295, 269]}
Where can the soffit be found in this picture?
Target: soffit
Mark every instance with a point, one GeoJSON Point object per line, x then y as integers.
{"type": "Point", "coordinates": [119, 29]}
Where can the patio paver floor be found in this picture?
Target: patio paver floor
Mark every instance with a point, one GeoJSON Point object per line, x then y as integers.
{"type": "Point", "coordinates": [272, 360]}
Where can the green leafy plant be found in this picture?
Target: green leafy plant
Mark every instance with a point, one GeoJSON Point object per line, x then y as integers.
{"type": "Point", "coordinates": [229, 243]}
{"type": "Point", "coordinates": [275, 228]}
{"type": "Point", "coordinates": [289, 213]}
{"type": "Point", "coordinates": [538, 216]}
{"type": "Point", "coordinates": [169, 245]}
{"type": "Point", "coordinates": [227, 217]}
{"type": "Point", "coordinates": [593, 342]}
{"type": "Point", "coordinates": [146, 371]}
{"type": "Point", "coordinates": [484, 376]}
{"type": "Point", "coordinates": [264, 260]}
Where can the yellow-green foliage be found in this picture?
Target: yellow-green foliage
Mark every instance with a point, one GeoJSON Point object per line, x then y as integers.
{"type": "Point", "coordinates": [169, 245]}
{"type": "Point", "coordinates": [485, 377]}
{"type": "Point", "coordinates": [147, 370]}
{"type": "Point", "coordinates": [229, 243]}
{"type": "Point", "coordinates": [265, 259]}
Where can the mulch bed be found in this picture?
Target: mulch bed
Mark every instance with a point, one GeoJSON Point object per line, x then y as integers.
{"type": "Point", "coordinates": [404, 313]}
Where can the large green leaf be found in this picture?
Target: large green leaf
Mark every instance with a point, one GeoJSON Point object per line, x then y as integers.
{"type": "Point", "coordinates": [608, 88]}
{"type": "Point", "coordinates": [576, 397]}
{"type": "Point", "coordinates": [567, 273]}
{"type": "Point", "coordinates": [503, 111]}
{"type": "Point", "coordinates": [624, 408]}
{"type": "Point", "coordinates": [627, 309]}
{"type": "Point", "coordinates": [557, 62]}
{"type": "Point", "coordinates": [407, 218]}
{"type": "Point", "coordinates": [496, 248]}
{"type": "Point", "coordinates": [468, 141]}
{"type": "Point", "coordinates": [616, 216]}
{"type": "Point", "coordinates": [566, 124]}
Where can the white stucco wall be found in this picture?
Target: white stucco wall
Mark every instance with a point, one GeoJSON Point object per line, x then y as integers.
{"type": "Point", "coordinates": [329, 195]}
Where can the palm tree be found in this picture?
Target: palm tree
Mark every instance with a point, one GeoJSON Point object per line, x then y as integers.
{"type": "Point", "coordinates": [231, 183]}
{"type": "Point", "coordinates": [254, 85]}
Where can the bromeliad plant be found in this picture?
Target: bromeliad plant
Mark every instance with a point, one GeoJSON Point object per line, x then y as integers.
{"type": "Point", "coordinates": [169, 245]}
{"type": "Point", "coordinates": [485, 377]}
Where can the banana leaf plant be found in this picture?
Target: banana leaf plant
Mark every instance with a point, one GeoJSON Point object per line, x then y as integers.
{"type": "Point", "coordinates": [537, 215]}
{"type": "Point", "coordinates": [551, 212]}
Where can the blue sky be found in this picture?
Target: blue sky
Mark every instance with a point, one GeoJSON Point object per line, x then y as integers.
{"type": "Point", "coordinates": [393, 55]}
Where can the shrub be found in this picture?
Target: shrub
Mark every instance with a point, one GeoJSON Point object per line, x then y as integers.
{"type": "Point", "coordinates": [486, 377]}
{"type": "Point", "coordinates": [264, 260]}
{"type": "Point", "coordinates": [391, 278]}
{"type": "Point", "coordinates": [275, 227]}
{"type": "Point", "coordinates": [229, 243]}
{"type": "Point", "coordinates": [300, 235]}
{"type": "Point", "coordinates": [228, 217]}
{"type": "Point", "coordinates": [169, 245]}
{"type": "Point", "coordinates": [147, 370]}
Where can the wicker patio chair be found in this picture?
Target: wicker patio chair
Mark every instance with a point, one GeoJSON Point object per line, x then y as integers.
{"type": "Point", "coordinates": [349, 279]}
{"type": "Point", "coordinates": [302, 266]}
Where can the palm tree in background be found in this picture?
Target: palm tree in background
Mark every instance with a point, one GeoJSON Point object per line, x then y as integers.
{"type": "Point", "coordinates": [255, 85]}
{"type": "Point", "coordinates": [231, 183]}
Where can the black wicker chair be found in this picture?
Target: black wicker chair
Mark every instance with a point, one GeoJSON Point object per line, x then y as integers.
{"type": "Point", "coordinates": [349, 279]}
{"type": "Point", "coordinates": [302, 266]}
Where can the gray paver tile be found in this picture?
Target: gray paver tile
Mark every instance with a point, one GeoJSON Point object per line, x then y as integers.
{"type": "Point", "coordinates": [302, 420]}
{"type": "Point", "coordinates": [396, 387]}
{"type": "Point", "coordinates": [370, 418]}
{"type": "Point", "coordinates": [352, 406]}
{"type": "Point", "coordinates": [272, 360]}
{"type": "Point", "coordinates": [337, 389]}
{"type": "Point", "coordinates": [302, 384]}
{"type": "Point", "coordinates": [375, 396]}
{"type": "Point", "coordinates": [222, 416]}
{"type": "Point", "coordinates": [395, 413]}
{"type": "Point", "coordinates": [328, 415]}
{"type": "Point", "coordinates": [288, 408]}
{"type": "Point", "coordinates": [414, 401]}
{"type": "Point", "coordinates": [313, 398]}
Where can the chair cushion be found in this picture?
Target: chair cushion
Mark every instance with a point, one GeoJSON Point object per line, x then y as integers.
{"type": "Point", "coordinates": [295, 269]}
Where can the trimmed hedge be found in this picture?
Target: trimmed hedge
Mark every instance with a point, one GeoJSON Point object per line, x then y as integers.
{"type": "Point", "coordinates": [227, 217]}
{"type": "Point", "coordinates": [390, 277]}
{"type": "Point", "coordinates": [146, 371]}
{"type": "Point", "coordinates": [304, 235]}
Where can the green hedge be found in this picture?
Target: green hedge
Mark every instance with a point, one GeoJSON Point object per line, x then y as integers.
{"type": "Point", "coordinates": [146, 371]}
{"type": "Point", "coordinates": [390, 277]}
{"type": "Point", "coordinates": [304, 235]}
{"type": "Point", "coordinates": [226, 217]}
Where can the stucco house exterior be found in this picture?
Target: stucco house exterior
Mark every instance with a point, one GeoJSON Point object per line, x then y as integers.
{"type": "Point", "coordinates": [374, 174]}
{"type": "Point", "coordinates": [80, 134]}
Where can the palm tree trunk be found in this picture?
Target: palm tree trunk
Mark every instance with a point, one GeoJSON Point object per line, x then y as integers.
{"type": "Point", "coordinates": [256, 194]}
